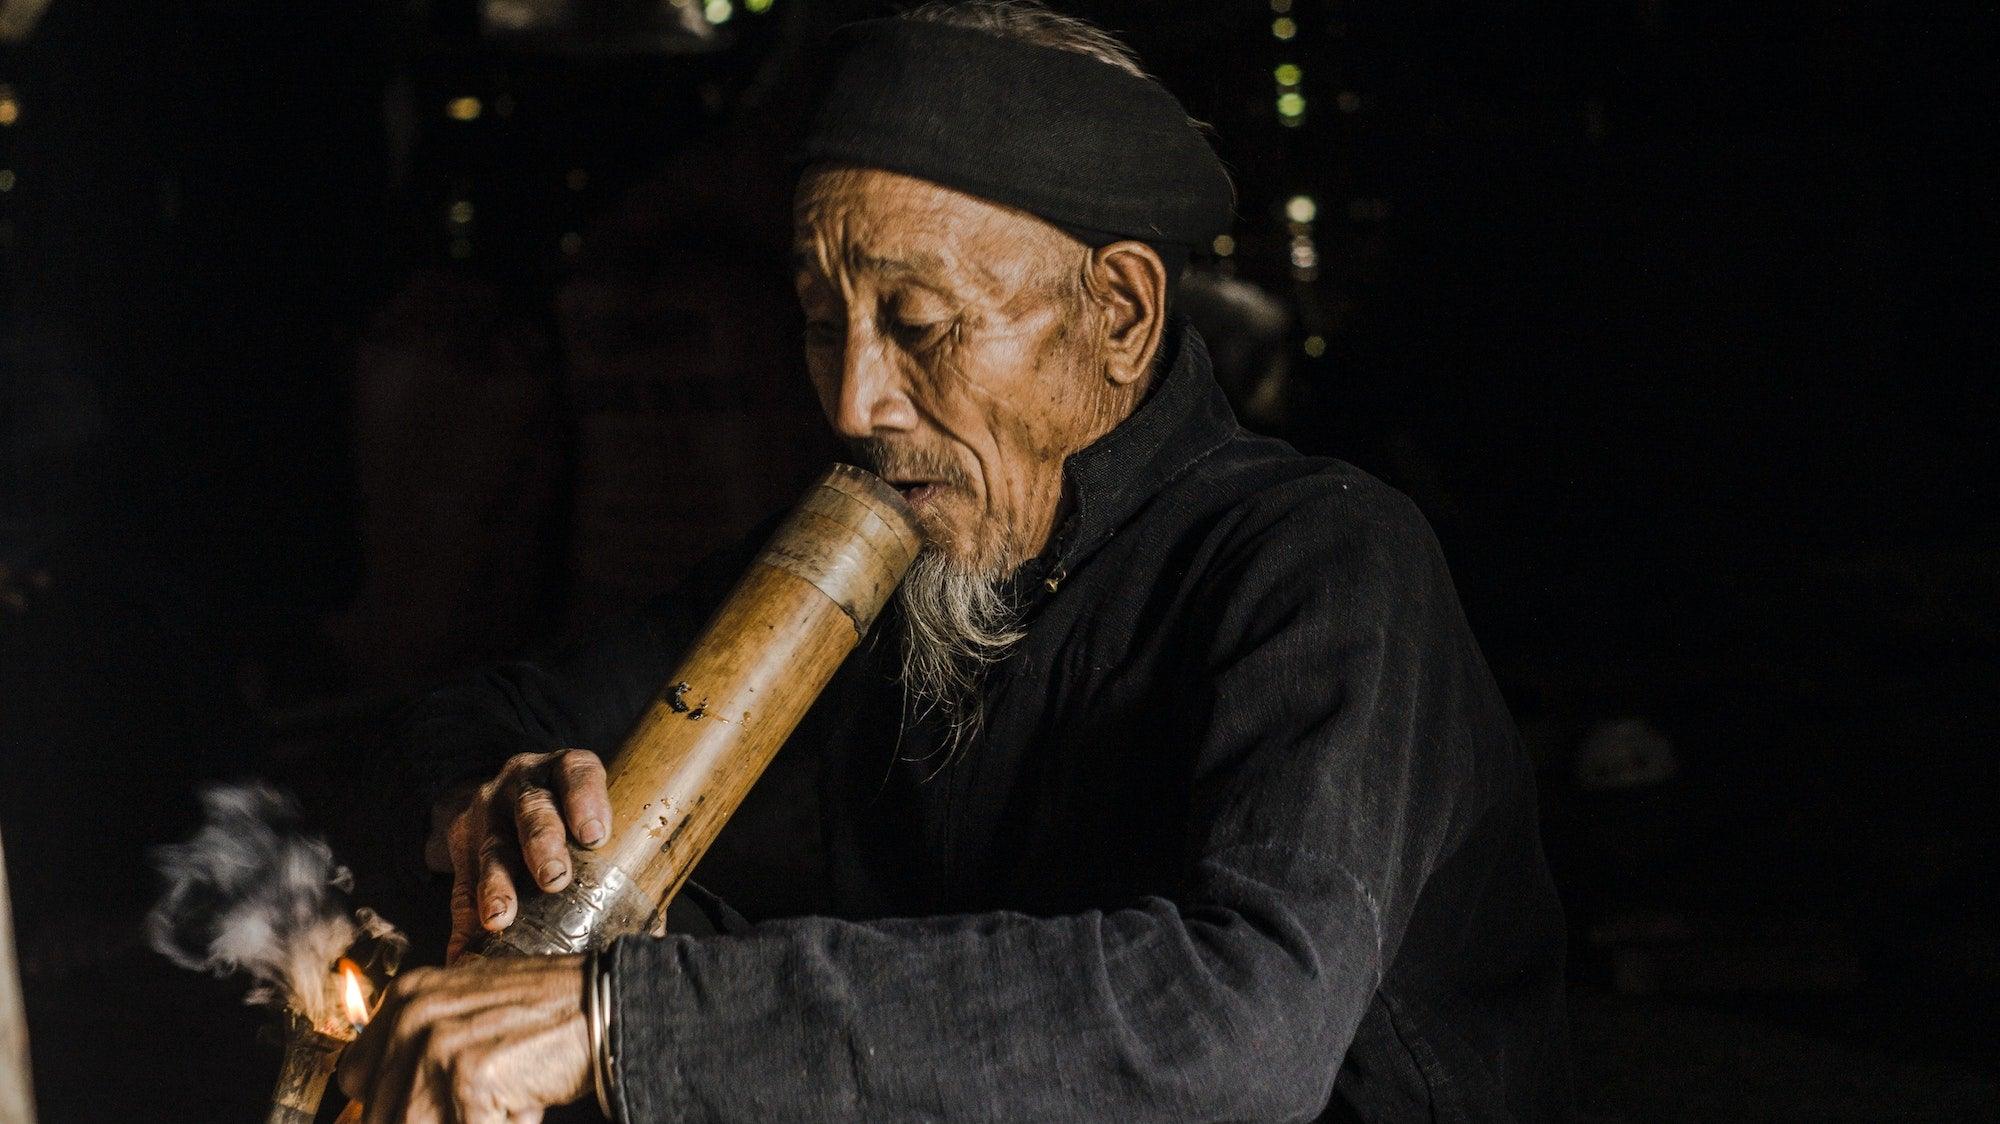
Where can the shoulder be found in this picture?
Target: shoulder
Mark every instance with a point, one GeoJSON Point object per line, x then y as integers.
{"type": "Point", "coordinates": [1276, 510]}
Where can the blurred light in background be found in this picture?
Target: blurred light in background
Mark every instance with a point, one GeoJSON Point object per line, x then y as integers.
{"type": "Point", "coordinates": [595, 27]}
{"type": "Point", "coordinates": [17, 18]}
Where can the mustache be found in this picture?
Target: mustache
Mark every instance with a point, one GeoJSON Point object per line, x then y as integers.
{"type": "Point", "coordinates": [897, 461]}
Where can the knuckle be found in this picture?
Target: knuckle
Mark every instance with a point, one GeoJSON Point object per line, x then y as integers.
{"type": "Point", "coordinates": [422, 1010]}
{"type": "Point", "coordinates": [535, 801]}
{"type": "Point", "coordinates": [470, 1077]}
{"type": "Point", "coordinates": [581, 765]}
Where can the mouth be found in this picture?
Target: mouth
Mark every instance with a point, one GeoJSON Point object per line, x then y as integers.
{"type": "Point", "coordinates": [916, 492]}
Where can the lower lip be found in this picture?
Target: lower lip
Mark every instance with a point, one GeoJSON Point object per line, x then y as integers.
{"type": "Point", "coordinates": [919, 494]}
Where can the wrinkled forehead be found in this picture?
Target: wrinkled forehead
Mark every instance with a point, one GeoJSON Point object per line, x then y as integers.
{"type": "Point", "coordinates": [850, 222]}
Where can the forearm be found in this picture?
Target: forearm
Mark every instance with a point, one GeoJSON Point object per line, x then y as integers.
{"type": "Point", "coordinates": [1146, 1013]}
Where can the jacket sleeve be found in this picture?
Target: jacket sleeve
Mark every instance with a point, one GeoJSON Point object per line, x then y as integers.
{"type": "Point", "coordinates": [1331, 741]}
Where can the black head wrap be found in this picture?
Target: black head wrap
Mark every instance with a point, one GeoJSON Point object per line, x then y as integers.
{"type": "Point", "coordinates": [1100, 152]}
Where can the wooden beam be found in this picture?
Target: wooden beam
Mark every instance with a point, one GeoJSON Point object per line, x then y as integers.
{"type": "Point", "coordinates": [17, 1094]}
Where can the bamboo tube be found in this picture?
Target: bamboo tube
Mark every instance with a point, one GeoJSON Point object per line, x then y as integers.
{"type": "Point", "coordinates": [310, 1057]}
{"type": "Point", "coordinates": [802, 606]}
{"type": "Point", "coordinates": [805, 602]}
{"type": "Point", "coordinates": [17, 1093]}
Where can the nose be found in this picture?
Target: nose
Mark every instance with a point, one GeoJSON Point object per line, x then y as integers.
{"type": "Point", "coordinates": [872, 398]}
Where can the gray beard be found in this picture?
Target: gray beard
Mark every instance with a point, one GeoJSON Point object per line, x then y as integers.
{"type": "Point", "coordinates": [957, 623]}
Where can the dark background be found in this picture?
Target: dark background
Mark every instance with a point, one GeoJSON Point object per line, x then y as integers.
{"type": "Point", "coordinates": [319, 381]}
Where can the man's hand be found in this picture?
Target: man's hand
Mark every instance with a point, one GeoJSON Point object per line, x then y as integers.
{"type": "Point", "coordinates": [486, 1042]}
{"type": "Point", "coordinates": [518, 821]}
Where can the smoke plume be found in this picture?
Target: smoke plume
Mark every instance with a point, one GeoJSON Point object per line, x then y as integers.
{"type": "Point", "coordinates": [252, 892]}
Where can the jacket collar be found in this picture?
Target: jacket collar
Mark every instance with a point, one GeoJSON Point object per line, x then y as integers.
{"type": "Point", "coordinates": [1184, 418]}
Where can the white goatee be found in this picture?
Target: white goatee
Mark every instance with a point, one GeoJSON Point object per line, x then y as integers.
{"type": "Point", "coordinates": [957, 623]}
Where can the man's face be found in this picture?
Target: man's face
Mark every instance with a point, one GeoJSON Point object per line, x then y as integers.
{"type": "Point", "coordinates": [949, 342]}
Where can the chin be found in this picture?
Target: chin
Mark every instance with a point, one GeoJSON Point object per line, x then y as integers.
{"type": "Point", "coordinates": [949, 535]}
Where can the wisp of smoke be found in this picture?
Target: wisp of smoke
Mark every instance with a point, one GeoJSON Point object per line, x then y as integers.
{"type": "Point", "coordinates": [253, 893]}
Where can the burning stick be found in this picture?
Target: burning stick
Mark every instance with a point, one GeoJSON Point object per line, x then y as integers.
{"type": "Point", "coordinates": [311, 1051]}
{"type": "Point", "coordinates": [252, 893]}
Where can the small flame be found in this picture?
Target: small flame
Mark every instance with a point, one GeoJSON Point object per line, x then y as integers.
{"type": "Point", "coordinates": [351, 996]}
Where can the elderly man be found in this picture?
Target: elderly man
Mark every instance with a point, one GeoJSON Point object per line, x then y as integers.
{"type": "Point", "coordinates": [1176, 787]}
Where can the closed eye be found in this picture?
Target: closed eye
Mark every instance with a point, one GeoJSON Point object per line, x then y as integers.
{"type": "Point", "coordinates": [922, 334]}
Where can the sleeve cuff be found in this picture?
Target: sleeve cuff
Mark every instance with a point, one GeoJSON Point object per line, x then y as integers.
{"type": "Point", "coordinates": [646, 1082]}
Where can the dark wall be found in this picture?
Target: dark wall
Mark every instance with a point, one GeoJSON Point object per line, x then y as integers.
{"type": "Point", "coordinates": [1665, 313]}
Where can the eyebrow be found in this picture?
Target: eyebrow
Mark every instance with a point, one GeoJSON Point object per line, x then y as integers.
{"type": "Point", "coordinates": [919, 266]}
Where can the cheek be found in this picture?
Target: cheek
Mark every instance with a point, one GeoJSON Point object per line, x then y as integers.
{"type": "Point", "coordinates": [1010, 403]}
{"type": "Point", "coordinates": [823, 372]}
{"type": "Point", "coordinates": [1024, 465]}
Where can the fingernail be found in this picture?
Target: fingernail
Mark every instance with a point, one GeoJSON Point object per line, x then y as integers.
{"type": "Point", "coordinates": [591, 832]}
{"type": "Point", "coordinates": [551, 871]}
{"type": "Point", "coordinates": [493, 912]}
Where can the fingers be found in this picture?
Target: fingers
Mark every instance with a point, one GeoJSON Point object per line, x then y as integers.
{"type": "Point", "coordinates": [397, 1071]}
{"type": "Point", "coordinates": [578, 777]}
{"type": "Point", "coordinates": [357, 1066]}
{"type": "Point", "coordinates": [386, 1098]}
{"type": "Point", "coordinates": [491, 1042]}
{"type": "Point", "coordinates": [399, 1095]}
{"type": "Point", "coordinates": [517, 1060]}
{"type": "Point", "coordinates": [544, 843]}
{"type": "Point", "coordinates": [496, 896]}
{"type": "Point", "coordinates": [360, 1069]}
{"type": "Point", "coordinates": [549, 799]}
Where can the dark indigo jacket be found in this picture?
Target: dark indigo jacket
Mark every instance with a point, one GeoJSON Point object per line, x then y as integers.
{"type": "Point", "coordinates": [1249, 835]}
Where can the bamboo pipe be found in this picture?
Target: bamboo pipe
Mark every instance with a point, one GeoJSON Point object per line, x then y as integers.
{"type": "Point", "coordinates": [805, 602]}
{"type": "Point", "coordinates": [741, 691]}
{"type": "Point", "coordinates": [802, 606]}
{"type": "Point", "coordinates": [310, 1057]}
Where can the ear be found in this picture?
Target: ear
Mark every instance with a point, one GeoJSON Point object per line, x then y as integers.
{"type": "Point", "coordinates": [1128, 282]}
